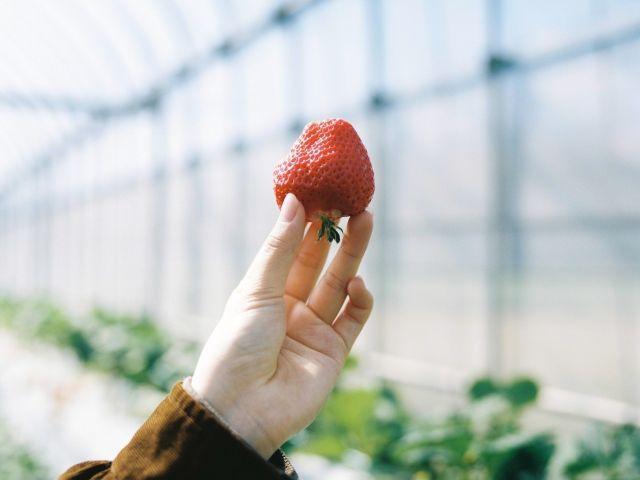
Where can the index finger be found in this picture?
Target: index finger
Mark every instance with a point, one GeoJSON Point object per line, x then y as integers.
{"type": "Point", "coordinates": [268, 272]}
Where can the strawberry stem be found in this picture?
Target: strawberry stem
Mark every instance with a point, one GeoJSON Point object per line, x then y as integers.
{"type": "Point", "coordinates": [329, 228]}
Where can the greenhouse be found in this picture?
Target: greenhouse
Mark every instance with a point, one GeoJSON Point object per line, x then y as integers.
{"type": "Point", "coordinates": [138, 142]}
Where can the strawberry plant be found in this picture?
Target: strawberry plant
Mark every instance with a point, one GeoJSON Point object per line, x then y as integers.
{"type": "Point", "coordinates": [367, 427]}
{"type": "Point", "coordinates": [482, 441]}
{"type": "Point", "coordinates": [128, 346]}
{"type": "Point", "coordinates": [17, 462]}
{"type": "Point", "coordinates": [609, 452]}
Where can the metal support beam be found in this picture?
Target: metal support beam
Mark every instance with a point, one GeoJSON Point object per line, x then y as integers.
{"type": "Point", "coordinates": [49, 155]}
{"type": "Point", "coordinates": [158, 214]}
{"type": "Point", "coordinates": [497, 214]}
{"type": "Point", "coordinates": [447, 88]}
{"type": "Point", "coordinates": [382, 244]}
{"type": "Point", "coordinates": [194, 236]}
{"type": "Point", "coordinates": [187, 71]}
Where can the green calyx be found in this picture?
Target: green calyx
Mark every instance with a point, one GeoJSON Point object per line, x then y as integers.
{"type": "Point", "coordinates": [329, 228]}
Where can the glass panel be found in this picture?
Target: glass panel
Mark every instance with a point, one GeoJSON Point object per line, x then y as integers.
{"type": "Point", "coordinates": [576, 330]}
{"type": "Point", "coordinates": [335, 68]}
{"type": "Point", "coordinates": [423, 44]}
{"type": "Point", "coordinates": [436, 299]}
{"type": "Point", "coordinates": [216, 111]}
{"type": "Point", "coordinates": [532, 28]}
{"type": "Point", "coordinates": [576, 122]}
{"type": "Point", "coordinates": [438, 161]}
{"type": "Point", "coordinates": [264, 87]}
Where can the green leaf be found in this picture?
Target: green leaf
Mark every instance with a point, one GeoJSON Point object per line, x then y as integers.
{"type": "Point", "coordinates": [521, 457]}
{"type": "Point", "coordinates": [610, 452]}
{"type": "Point", "coordinates": [17, 462]}
{"type": "Point", "coordinates": [350, 364]}
{"type": "Point", "coordinates": [483, 388]}
{"type": "Point", "coordinates": [325, 445]}
{"type": "Point", "coordinates": [521, 392]}
{"type": "Point", "coordinates": [321, 231]}
{"type": "Point", "coordinates": [80, 344]}
{"type": "Point", "coordinates": [448, 441]}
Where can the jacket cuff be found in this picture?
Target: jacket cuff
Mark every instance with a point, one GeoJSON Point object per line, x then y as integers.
{"type": "Point", "coordinates": [278, 459]}
{"type": "Point", "coordinates": [183, 439]}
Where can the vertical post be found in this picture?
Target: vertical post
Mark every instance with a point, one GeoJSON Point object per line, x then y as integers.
{"type": "Point", "coordinates": [239, 246]}
{"type": "Point", "coordinates": [34, 282]}
{"type": "Point", "coordinates": [195, 216]}
{"type": "Point", "coordinates": [294, 85]}
{"type": "Point", "coordinates": [6, 251]}
{"type": "Point", "coordinates": [504, 239]}
{"type": "Point", "coordinates": [46, 236]}
{"type": "Point", "coordinates": [627, 329]}
{"type": "Point", "coordinates": [194, 234]}
{"type": "Point", "coordinates": [159, 213]}
{"type": "Point", "coordinates": [383, 243]}
{"type": "Point", "coordinates": [496, 202]}
{"type": "Point", "coordinates": [16, 248]}
{"type": "Point", "coordinates": [237, 116]}
{"type": "Point", "coordinates": [41, 234]}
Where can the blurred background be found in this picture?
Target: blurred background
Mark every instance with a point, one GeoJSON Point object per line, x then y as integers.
{"type": "Point", "coordinates": [137, 140]}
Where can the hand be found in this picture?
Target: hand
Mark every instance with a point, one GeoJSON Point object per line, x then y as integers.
{"type": "Point", "coordinates": [271, 362]}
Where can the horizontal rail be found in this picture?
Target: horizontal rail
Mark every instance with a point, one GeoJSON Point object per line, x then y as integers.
{"type": "Point", "coordinates": [496, 67]}
{"type": "Point", "coordinates": [454, 381]}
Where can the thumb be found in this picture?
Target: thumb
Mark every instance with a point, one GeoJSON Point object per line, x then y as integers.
{"type": "Point", "coordinates": [268, 272]}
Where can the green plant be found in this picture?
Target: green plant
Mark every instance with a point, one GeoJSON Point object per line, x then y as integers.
{"type": "Point", "coordinates": [16, 461]}
{"type": "Point", "coordinates": [369, 421]}
{"type": "Point", "coordinates": [129, 346]}
{"type": "Point", "coordinates": [482, 441]}
{"type": "Point", "coordinates": [366, 426]}
{"type": "Point", "coordinates": [610, 452]}
{"type": "Point", "coordinates": [132, 347]}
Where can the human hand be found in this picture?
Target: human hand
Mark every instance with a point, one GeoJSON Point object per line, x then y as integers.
{"type": "Point", "coordinates": [271, 362]}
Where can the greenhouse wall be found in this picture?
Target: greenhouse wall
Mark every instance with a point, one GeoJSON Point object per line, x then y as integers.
{"type": "Point", "coordinates": [507, 237]}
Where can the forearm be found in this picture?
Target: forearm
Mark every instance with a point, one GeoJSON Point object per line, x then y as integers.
{"type": "Point", "coordinates": [182, 439]}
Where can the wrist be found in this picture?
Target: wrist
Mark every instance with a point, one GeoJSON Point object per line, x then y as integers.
{"type": "Point", "coordinates": [232, 416]}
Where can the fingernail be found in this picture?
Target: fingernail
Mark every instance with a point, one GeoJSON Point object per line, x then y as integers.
{"type": "Point", "coordinates": [289, 207]}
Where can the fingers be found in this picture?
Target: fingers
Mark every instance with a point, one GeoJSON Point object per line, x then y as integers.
{"type": "Point", "coordinates": [328, 296]}
{"type": "Point", "coordinates": [268, 272]}
{"type": "Point", "coordinates": [307, 265]}
{"type": "Point", "coordinates": [355, 313]}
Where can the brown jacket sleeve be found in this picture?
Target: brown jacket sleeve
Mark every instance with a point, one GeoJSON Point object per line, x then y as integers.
{"type": "Point", "coordinates": [183, 440]}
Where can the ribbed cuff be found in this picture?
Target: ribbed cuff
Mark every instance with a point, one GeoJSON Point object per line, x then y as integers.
{"type": "Point", "coordinates": [183, 439]}
{"type": "Point", "coordinates": [279, 460]}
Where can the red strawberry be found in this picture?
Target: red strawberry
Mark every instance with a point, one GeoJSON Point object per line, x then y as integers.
{"type": "Point", "coordinates": [329, 171]}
